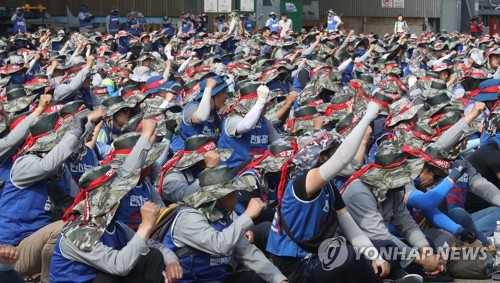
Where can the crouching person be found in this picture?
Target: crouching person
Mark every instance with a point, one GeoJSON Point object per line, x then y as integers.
{"type": "Point", "coordinates": [95, 247]}
{"type": "Point", "coordinates": [208, 237]}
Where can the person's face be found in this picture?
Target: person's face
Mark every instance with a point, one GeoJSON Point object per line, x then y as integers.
{"type": "Point", "coordinates": [495, 61]}
{"type": "Point", "coordinates": [121, 117]}
{"type": "Point", "coordinates": [439, 53]}
{"type": "Point", "coordinates": [400, 18]}
{"type": "Point", "coordinates": [229, 202]}
{"type": "Point", "coordinates": [146, 62]}
{"type": "Point", "coordinates": [350, 47]}
{"type": "Point", "coordinates": [220, 99]}
{"type": "Point", "coordinates": [426, 178]}
{"type": "Point", "coordinates": [145, 40]}
{"type": "Point", "coordinates": [266, 33]}
{"type": "Point", "coordinates": [443, 75]}
{"type": "Point", "coordinates": [429, 177]}
{"type": "Point", "coordinates": [283, 18]}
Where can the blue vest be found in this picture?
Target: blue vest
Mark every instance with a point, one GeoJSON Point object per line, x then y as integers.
{"type": "Point", "coordinates": [66, 270]}
{"type": "Point", "coordinates": [84, 23]}
{"type": "Point", "coordinates": [19, 25]}
{"type": "Point", "coordinates": [88, 161]}
{"type": "Point", "coordinates": [248, 25]}
{"type": "Point", "coordinates": [208, 127]}
{"type": "Point", "coordinates": [114, 24]}
{"type": "Point", "coordinates": [134, 32]}
{"type": "Point", "coordinates": [129, 211]}
{"type": "Point", "coordinates": [185, 27]}
{"type": "Point", "coordinates": [305, 219]}
{"type": "Point", "coordinates": [23, 211]}
{"type": "Point", "coordinates": [274, 25]}
{"type": "Point", "coordinates": [201, 266]}
{"type": "Point", "coordinates": [253, 143]}
{"type": "Point", "coordinates": [331, 24]}
{"type": "Point", "coordinates": [169, 30]}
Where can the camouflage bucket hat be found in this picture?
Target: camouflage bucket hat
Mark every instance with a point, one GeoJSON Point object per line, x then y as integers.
{"type": "Point", "coordinates": [323, 81]}
{"type": "Point", "coordinates": [133, 124]}
{"type": "Point", "coordinates": [101, 92]}
{"type": "Point", "coordinates": [17, 99]}
{"type": "Point", "coordinates": [49, 129]}
{"type": "Point", "coordinates": [248, 97]}
{"type": "Point", "coordinates": [338, 106]}
{"type": "Point", "coordinates": [303, 120]}
{"type": "Point", "coordinates": [269, 74]}
{"type": "Point", "coordinates": [76, 108]}
{"type": "Point", "coordinates": [216, 183]}
{"type": "Point", "coordinates": [125, 143]}
{"type": "Point", "coordinates": [279, 153]}
{"type": "Point", "coordinates": [416, 136]}
{"type": "Point", "coordinates": [391, 170]}
{"type": "Point", "coordinates": [195, 148]}
{"type": "Point", "coordinates": [4, 81]}
{"type": "Point", "coordinates": [40, 81]}
{"type": "Point", "coordinates": [153, 154]}
{"type": "Point", "coordinates": [103, 202]}
{"type": "Point", "coordinates": [114, 104]}
{"type": "Point", "coordinates": [347, 124]}
{"type": "Point", "coordinates": [401, 110]}
{"type": "Point", "coordinates": [437, 100]}
{"type": "Point", "coordinates": [310, 90]}
{"type": "Point", "coordinates": [311, 144]}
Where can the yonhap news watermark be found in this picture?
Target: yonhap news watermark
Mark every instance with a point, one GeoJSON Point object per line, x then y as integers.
{"type": "Point", "coordinates": [334, 252]}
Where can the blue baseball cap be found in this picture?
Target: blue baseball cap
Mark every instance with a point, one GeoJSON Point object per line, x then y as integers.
{"type": "Point", "coordinates": [221, 84]}
{"type": "Point", "coordinates": [154, 83]}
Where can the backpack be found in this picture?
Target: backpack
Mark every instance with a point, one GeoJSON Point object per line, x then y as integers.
{"type": "Point", "coordinates": [163, 223]}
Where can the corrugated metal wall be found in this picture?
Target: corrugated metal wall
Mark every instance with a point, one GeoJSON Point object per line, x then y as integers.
{"type": "Point", "coordinates": [372, 8]}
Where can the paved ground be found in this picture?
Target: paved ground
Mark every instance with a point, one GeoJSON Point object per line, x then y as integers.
{"type": "Point", "coordinates": [473, 281]}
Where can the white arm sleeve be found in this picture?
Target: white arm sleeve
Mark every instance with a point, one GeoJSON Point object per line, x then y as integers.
{"type": "Point", "coordinates": [344, 65]}
{"type": "Point", "coordinates": [203, 112]}
{"type": "Point", "coordinates": [250, 120]}
{"type": "Point", "coordinates": [185, 65]}
{"type": "Point", "coordinates": [347, 150]}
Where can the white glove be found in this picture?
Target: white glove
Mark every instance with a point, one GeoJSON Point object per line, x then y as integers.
{"type": "Point", "coordinates": [262, 93]}
{"type": "Point", "coordinates": [192, 54]}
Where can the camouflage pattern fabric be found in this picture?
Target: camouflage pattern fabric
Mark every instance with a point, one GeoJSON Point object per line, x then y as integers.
{"type": "Point", "coordinates": [190, 159]}
{"type": "Point", "coordinates": [153, 154]}
{"type": "Point", "coordinates": [311, 145]}
{"type": "Point", "coordinates": [402, 110]}
{"type": "Point", "coordinates": [47, 143]}
{"type": "Point", "coordinates": [204, 199]}
{"type": "Point", "coordinates": [128, 103]}
{"type": "Point", "coordinates": [103, 202]}
{"type": "Point", "coordinates": [19, 104]}
{"type": "Point", "coordinates": [382, 180]}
